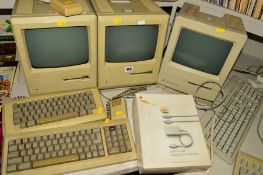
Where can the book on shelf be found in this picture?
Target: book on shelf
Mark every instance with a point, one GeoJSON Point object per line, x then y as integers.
{"type": "Point", "coordinates": [261, 14]}
{"type": "Point", "coordinates": [251, 7]}
{"type": "Point", "coordinates": [231, 4]}
{"type": "Point", "coordinates": [7, 48]}
{"type": "Point", "coordinates": [6, 33]}
{"type": "Point", "coordinates": [243, 6]}
{"type": "Point", "coordinates": [237, 5]}
{"type": "Point", "coordinates": [7, 73]}
{"type": "Point", "coordinates": [258, 9]}
{"type": "Point", "coordinates": [7, 42]}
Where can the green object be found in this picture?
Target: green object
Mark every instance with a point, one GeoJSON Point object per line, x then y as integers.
{"type": "Point", "coordinates": [9, 27]}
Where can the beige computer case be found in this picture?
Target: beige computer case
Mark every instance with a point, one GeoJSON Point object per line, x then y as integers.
{"type": "Point", "coordinates": [135, 12]}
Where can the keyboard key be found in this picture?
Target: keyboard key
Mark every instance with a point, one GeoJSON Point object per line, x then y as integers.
{"type": "Point", "coordinates": [57, 160]}
{"type": "Point", "coordinates": [11, 168]}
{"type": "Point", "coordinates": [247, 165]}
{"type": "Point", "coordinates": [56, 118]}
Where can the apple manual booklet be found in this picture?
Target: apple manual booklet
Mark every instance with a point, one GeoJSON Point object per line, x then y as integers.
{"type": "Point", "coordinates": [168, 134]}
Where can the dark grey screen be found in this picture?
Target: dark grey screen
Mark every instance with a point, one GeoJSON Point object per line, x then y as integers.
{"type": "Point", "coordinates": [201, 52]}
{"type": "Point", "coordinates": [57, 47]}
{"type": "Point", "coordinates": [131, 43]}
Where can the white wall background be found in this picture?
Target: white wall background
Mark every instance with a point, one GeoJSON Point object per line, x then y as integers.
{"type": "Point", "coordinates": [6, 4]}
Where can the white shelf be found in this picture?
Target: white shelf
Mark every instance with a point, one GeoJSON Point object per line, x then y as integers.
{"type": "Point", "coordinates": [252, 25]}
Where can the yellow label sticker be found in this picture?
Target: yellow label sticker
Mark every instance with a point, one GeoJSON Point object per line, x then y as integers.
{"type": "Point", "coordinates": [61, 23]}
{"type": "Point", "coordinates": [118, 113]}
{"type": "Point", "coordinates": [100, 110]}
{"type": "Point", "coordinates": [117, 20]}
{"type": "Point", "coordinates": [107, 120]}
{"type": "Point", "coordinates": [220, 30]}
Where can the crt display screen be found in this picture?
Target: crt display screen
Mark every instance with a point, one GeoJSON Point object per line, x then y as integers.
{"type": "Point", "coordinates": [130, 43]}
{"type": "Point", "coordinates": [57, 47]}
{"type": "Point", "coordinates": [201, 52]}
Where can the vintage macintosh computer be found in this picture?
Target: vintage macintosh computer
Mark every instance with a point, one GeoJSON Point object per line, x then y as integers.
{"type": "Point", "coordinates": [131, 36]}
{"type": "Point", "coordinates": [199, 57]}
{"type": "Point", "coordinates": [201, 48]}
{"type": "Point", "coordinates": [57, 53]}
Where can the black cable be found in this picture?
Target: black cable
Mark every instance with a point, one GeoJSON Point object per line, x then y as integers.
{"type": "Point", "coordinates": [213, 105]}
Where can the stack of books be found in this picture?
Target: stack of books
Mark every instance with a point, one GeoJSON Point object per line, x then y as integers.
{"type": "Point", "coordinates": [7, 43]}
{"type": "Point", "coordinates": [253, 8]}
{"type": "Point", "coordinates": [7, 57]}
{"type": "Point", "coordinates": [7, 63]}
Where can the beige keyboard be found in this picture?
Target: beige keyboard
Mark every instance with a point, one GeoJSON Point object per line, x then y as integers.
{"type": "Point", "coordinates": [234, 118]}
{"type": "Point", "coordinates": [52, 110]}
{"type": "Point", "coordinates": [71, 148]}
{"type": "Point", "coordinates": [248, 165]}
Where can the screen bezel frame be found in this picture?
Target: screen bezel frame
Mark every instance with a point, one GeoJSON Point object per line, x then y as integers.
{"type": "Point", "coordinates": [205, 34]}
{"type": "Point", "coordinates": [204, 29]}
{"type": "Point", "coordinates": [107, 69]}
{"type": "Point", "coordinates": [49, 27]}
{"type": "Point", "coordinates": [146, 59]}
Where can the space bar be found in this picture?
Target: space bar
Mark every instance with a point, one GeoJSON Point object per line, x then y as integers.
{"type": "Point", "coordinates": [54, 161]}
{"type": "Point", "coordinates": [57, 118]}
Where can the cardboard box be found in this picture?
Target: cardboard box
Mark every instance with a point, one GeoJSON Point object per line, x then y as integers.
{"type": "Point", "coordinates": [168, 134]}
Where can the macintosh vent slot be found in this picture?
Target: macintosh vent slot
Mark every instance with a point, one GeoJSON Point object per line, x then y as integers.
{"type": "Point", "coordinates": [203, 86]}
{"type": "Point", "coordinates": [77, 78]}
{"type": "Point", "coordinates": [145, 72]}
